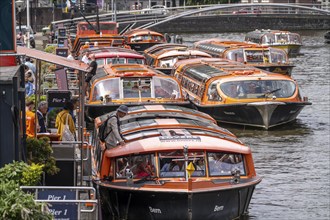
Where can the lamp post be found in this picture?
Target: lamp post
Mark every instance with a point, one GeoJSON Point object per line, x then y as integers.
{"type": "Point", "coordinates": [20, 6]}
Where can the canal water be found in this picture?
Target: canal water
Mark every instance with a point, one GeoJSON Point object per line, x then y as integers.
{"type": "Point", "coordinates": [293, 160]}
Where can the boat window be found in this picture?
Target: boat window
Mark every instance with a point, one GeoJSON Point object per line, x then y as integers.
{"type": "Point", "coordinates": [212, 93]}
{"type": "Point", "coordinates": [140, 165]}
{"type": "Point", "coordinates": [294, 38]}
{"type": "Point", "coordinates": [115, 60]}
{"type": "Point", "coordinates": [136, 39]}
{"type": "Point", "coordinates": [141, 134]}
{"type": "Point", "coordinates": [109, 87]}
{"type": "Point", "coordinates": [282, 38]}
{"type": "Point", "coordinates": [168, 62]}
{"type": "Point", "coordinates": [268, 39]}
{"type": "Point", "coordinates": [135, 60]}
{"type": "Point", "coordinates": [223, 164]}
{"type": "Point", "coordinates": [166, 88]}
{"type": "Point", "coordinates": [236, 55]}
{"type": "Point", "coordinates": [136, 87]}
{"type": "Point", "coordinates": [158, 38]}
{"type": "Point", "coordinates": [278, 56]}
{"type": "Point", "coordinates": [258, 89]}
{"type": "Point", "coordinates": [256, 56]}
{"type": "Point", "coordinates": [100, 61]}
{"type": "Point", "coordinates": [172, 164]}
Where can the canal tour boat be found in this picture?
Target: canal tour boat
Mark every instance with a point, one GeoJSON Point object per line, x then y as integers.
{"type": "Point", "coordinates": [158, 47]}
{"type": "Point", "coordinates": [131, 84]}
{"type": "Point", "coordinates": [234, 93]}
{"type": "Point", "coordinates": [164, 59]}
{"type": "Point", "coordinates": [267, 58]}
{"type": "Point", "coordinates": [174, 168]}
{"type": "Point", "coordinates": [108, 55]}
{"type": "Point", "coordinates": [288, 41]}
{"type": "Point", "coordinates": [91, 34]}
{"type": "Point", "coordinates": [141, 39]}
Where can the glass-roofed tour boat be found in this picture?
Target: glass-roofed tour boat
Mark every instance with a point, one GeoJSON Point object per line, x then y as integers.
{"type": "Point", "coordinates": [263, 57]}
{"type": "Point", "coordinates": [234, 93]}
{"type": "Point", "coordinates": [131, 84]}
{"type": "Point", "coordinates": [286, 40]}
{"type": "Point", "coordinates": [175, 164]}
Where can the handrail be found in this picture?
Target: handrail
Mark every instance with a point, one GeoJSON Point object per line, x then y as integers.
{"type": "Point", "coordinates": [76, 188]}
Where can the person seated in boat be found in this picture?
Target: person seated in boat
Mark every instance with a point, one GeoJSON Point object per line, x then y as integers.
{"type": "Point", "coordinates": [135, 86]}
{"type": "Point", "coordinates": [233, 91]}
{"type": "Point", "coordinates": [179, 166]}
{"type": "Point", "coordinates": [199, 164]}
{"type": "Point", "coordinates": [141, 169]}
{"type": "Point", "coordinates": [168, 166]}
{"type": "Point", "coordinates": [252, 88]}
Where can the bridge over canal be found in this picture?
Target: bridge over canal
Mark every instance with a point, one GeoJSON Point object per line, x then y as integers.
{"type": "Point", "coordinates": [217, 18]}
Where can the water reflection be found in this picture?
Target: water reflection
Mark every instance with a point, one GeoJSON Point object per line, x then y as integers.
{"type": "Point", "coordinates": [293, 159]}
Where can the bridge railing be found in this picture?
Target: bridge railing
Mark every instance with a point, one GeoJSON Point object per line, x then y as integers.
{"type": "Point", "coordinates": [154, 15]}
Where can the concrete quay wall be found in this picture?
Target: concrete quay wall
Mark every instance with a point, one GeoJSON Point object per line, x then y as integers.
{"type": "Point", "coordinates": [243, 23]}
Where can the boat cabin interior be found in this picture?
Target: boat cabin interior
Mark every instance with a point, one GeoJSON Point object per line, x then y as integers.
{"type": "Point", "coordinates": [115, 55]}
{"type": "Point", "coordinates": [269, 37]}
{"type": "Point", "coordinates": [143, 35]}
{"type": "Point", "coordinates": [131, 84]}
{"type": "Point", "coordinates": [143, 112]}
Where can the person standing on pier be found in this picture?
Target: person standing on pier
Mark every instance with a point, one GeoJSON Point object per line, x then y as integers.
{"type": "Point", "coordinates": [41, 114]}
{"type": "Point", "coordinates": [31, 124]}
{"type": "Point", "coordinates": [64, 118]}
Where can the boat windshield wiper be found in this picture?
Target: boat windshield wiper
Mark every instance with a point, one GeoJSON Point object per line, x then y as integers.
{"type": "Point", "coordinates": [268, 93]}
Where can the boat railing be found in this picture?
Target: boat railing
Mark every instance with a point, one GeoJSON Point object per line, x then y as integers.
{"type": "Point", "coordinates": [67, 201]}
{"type": "Point", "coordinates": [76, 152]}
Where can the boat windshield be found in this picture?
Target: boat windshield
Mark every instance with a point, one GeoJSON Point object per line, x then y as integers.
{"type": "Point", "coordinates": [139, 166]}
{"type": "Point", "coordinates": [100, 62]}
{"type": "Point", "coordinates": [116, 60]}
{"type": "Point", "coordinates": [108, 87]}
{"type": "Point", "coordinates": [267, 39]}
{"type": "Point", "coordinates": [235, 55]}
{"type": "Point", "coordinates": [147, 37]}
{"type": "Point", "coordinates": [166, 88]}
{"type": "Point", "coordinates": [136, 87]}
{"type": "Point", "coordinates": [212, 93]}
{"type": "Point", "coordinates": [251, 89]}
{"type": "Point", "coordinates": [278, 56]}
{"type": "Point", "coordinates": [271, 55]}
{"type": "Point", "coordinates": [223, 164]}
{"type": "Point", "coordinates": [172, 164]}
{"type": "Point", "coordinates": [295, 38]}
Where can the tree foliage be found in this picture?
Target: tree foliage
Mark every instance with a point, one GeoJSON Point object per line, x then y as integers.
{"type": "Point", "coordinates": [21, 173]}
{"type": "Point", "coordinates": [40, 152]}
{"type": "Point", "coordinates": [16, 204]}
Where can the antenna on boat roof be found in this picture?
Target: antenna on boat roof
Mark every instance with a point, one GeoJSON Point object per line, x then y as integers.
{"type": "Point", "coordinates": [97, 31]}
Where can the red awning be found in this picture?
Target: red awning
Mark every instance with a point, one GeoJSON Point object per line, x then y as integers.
{"type": "Point", "coordinates": [52, 58]}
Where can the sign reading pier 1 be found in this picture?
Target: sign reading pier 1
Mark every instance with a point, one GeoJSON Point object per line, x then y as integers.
{"type": "Point", "coordinates": [67, 211]}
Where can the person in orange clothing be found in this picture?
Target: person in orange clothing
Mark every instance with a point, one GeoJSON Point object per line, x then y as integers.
{"type": "Point", "coordinates": [61, 119]}
{"type": "Point", "coordinates": [31, 122]}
